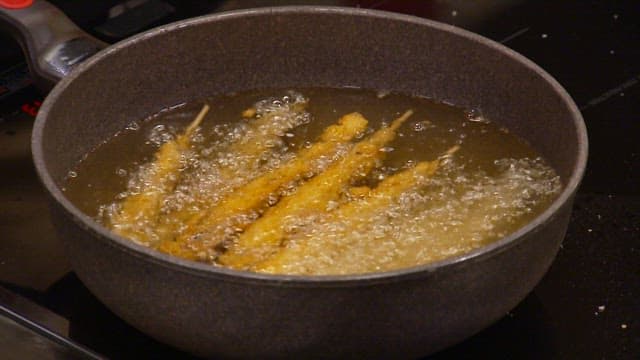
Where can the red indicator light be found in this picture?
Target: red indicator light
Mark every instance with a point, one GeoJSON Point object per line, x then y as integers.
{"type": "Point", "coordinates": [31, 108]}
{"type": "Point", "coordinates": [15, 4]}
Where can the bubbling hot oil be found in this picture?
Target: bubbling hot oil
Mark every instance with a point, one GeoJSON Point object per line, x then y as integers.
{"type": "Point", "coordinates": [493, 185]}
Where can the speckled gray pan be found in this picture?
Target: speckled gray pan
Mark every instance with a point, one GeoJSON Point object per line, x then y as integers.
{"type": "Point", "coordinates": [224, 313]}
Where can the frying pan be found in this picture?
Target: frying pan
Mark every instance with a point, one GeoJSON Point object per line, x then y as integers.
{"type": "Point", "coordinates": [217, 312]}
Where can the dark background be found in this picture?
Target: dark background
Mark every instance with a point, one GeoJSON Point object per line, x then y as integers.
{"type": "Point", "coordinates": [586, 307]}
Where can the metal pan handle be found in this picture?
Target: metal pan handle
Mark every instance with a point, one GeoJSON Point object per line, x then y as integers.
{"type": "Point", "coordinates": [52, 43]}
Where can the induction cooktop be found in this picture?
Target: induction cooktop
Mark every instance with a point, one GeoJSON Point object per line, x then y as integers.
{"type": "Point", "coordinates": [586, 307]}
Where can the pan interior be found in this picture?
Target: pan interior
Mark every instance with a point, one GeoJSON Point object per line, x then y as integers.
{"type": "Point", "coordinates": [491, 185]}
{"type": "Point", "coordinates": [223, 54]}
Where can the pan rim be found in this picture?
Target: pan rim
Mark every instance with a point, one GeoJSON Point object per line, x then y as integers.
{"type": "Point", "coordinates": [349, 280]}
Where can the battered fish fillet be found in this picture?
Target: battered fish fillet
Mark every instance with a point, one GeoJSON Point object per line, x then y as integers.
{"type": "Point", "coordinates": [263, 237]}
{"type": "Point", "coordinates": [263, 134]}
{"type": "Point", "coordinates": [354, 213]}
{"type": "Point", "coordinates": [261, 137]}
{"type": "Point", "coordinates": [238, 209]}
{"type": "Point", "coordinates": [139, 213]}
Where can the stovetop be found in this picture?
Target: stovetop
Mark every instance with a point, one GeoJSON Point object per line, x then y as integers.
{"type": "Point", "coordinates": [586, 307]}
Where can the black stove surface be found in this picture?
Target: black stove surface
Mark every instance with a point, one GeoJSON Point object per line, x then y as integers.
{"type": "Point", "coordinates": [586, 307]}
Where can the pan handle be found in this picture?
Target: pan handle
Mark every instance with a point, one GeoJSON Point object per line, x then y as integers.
{"type": "Point", "coordinates": [52, 43]}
